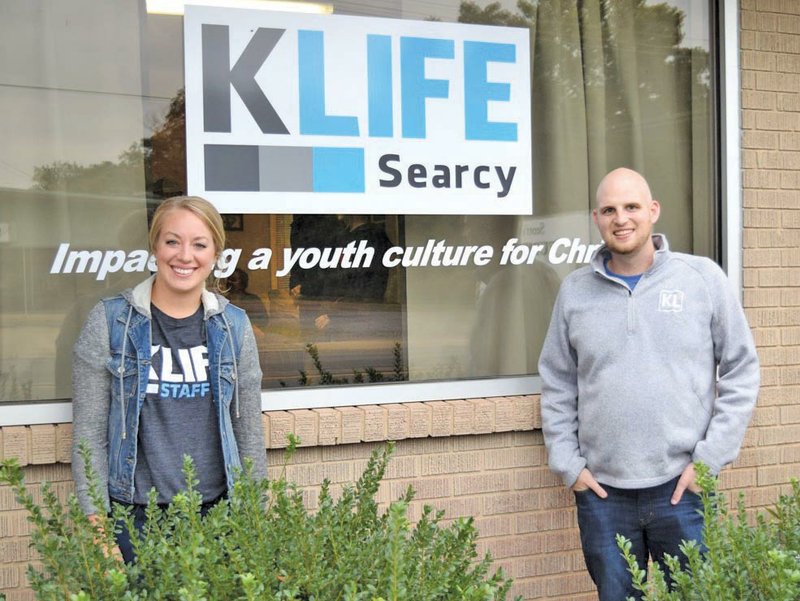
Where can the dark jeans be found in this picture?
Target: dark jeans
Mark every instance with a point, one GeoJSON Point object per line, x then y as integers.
{"type": "Point", "coordinates": [139, 518]}
{"type": "Point", "coordinates": [644, 516]}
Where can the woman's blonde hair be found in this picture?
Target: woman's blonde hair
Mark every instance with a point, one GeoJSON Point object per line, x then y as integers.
{"type": "Point", "coordinates": [201, 208]}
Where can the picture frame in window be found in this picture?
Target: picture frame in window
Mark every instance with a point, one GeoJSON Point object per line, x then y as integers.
{"type": "Point", "coordinates": [233, 222]}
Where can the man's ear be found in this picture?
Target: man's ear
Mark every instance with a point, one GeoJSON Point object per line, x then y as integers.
{"type": "Point", "coordinates": [594, 216]}
{"type": "Point", "coordinates": [655, 210]}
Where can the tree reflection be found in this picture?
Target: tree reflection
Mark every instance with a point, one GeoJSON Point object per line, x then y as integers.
{"type": "Point", "coordinates": [156, 162]}
{"type": "Point", "coordinates": [616, 56]}
{"type": "Point", "coordinates": [654, 32]}
{"type": "Point", "coordinates": [613, 83]}
{"type": "Point", "coordinates": [495, 14]}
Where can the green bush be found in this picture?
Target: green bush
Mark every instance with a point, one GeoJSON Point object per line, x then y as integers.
{"type": "Point", "coordinates": [325, 377]}
{"type": "Point", "coordinates": [260, 544]}
{"type": "Point", "coordinates": [743, 561]}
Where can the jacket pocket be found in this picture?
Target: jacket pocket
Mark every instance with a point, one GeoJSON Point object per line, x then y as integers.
{"type": "Point", "coordinates": [130, 365]}
{"type": "Point", "coordinates": [227, 382]}
{"type": "Point", "coordinates": [127, 370]}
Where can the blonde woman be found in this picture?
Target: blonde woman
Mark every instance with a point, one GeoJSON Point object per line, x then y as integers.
{"type": "Point", "coordinates": [167, 369]}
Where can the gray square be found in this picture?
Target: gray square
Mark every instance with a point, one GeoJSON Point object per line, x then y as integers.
{"type": "Point", "coordinates": [286, 168]}
{"type": "Point", "coordinates": [231, 168]}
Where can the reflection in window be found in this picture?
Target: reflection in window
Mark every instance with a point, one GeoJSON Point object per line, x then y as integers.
{"type": "Point", "coordinates": [90, 148]}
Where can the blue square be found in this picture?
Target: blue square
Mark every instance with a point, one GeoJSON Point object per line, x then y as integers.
{"type": "Point", "coordinates": [338, 169]}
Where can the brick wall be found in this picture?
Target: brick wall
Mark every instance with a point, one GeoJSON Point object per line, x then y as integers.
{"type": "Point", "coordinates": [770, 74]}
{"type": "Point", "coordinates": [479, 457]}
{"type": "Point", "coordinates": [485, 457]}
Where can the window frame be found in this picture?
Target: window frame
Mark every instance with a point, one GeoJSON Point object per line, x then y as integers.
{"type": "Point", "coordinates": [725, 15]}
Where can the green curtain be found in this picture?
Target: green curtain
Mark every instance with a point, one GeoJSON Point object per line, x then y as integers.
{"type": "Point", "coordinates": [613, 83]}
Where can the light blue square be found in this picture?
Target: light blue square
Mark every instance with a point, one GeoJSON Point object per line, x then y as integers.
{"type": "Point", "coordinates": [338, 169]}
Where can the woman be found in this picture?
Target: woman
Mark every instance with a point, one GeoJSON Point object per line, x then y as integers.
{"type": "Point", "coordinates": [168, 369]}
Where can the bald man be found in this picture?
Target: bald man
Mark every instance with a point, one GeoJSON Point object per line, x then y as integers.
{"type": "Point", "coordinates": [648, 367]}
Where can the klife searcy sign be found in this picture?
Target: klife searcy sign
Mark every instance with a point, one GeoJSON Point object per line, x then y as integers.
{"type": "Point", "coordinates": [296, 113]}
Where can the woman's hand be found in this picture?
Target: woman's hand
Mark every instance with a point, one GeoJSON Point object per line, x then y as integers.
{"type": "Point", "coordinates": [112, 551]}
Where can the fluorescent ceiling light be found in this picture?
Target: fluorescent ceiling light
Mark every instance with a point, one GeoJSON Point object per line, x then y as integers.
{"type": "Point", "coordinates": [175, 7]}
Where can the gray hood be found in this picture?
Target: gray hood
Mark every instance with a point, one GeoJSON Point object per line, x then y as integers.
{"type": "Point", "coordinates": [139, 297]}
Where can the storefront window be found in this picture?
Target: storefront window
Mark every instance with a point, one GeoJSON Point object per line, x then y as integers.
{"type": "Point", "coordinates": [93, 123]}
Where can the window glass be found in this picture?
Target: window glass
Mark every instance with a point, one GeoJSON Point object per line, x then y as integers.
{"type": "Point", "coordinates": [92, 119]}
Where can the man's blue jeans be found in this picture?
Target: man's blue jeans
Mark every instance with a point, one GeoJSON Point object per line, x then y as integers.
{"type": "Point", "coordinates": [644, 516]}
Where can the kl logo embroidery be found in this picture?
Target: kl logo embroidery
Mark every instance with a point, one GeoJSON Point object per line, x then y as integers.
{"type": "Point", "coordinates": [671, 300]}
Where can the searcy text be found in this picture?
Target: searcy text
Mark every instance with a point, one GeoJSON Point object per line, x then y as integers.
{"type": "Point", "coordinates": [483, 177]}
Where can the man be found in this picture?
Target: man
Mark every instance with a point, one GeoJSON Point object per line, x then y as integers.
{"type": "Point", "coordinates": [240, 296]}
{"type": "Point", "coordinates": [648, 366]}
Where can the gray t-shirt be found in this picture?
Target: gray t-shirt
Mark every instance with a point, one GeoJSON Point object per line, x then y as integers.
{"type": "Point", "coordinates": [178, 416]}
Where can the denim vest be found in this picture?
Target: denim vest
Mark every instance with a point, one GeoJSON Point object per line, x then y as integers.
{"type": "Point", "coordinates": [130, 341]}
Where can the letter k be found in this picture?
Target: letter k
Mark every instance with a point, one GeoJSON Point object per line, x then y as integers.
{"type": "Point", "coordinates": [218, 78]}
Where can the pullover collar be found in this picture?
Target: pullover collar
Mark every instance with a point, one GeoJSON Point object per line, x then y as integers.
{"type": "Point", "coordinates": [661, 256]}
